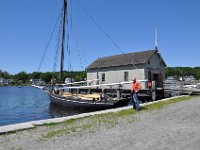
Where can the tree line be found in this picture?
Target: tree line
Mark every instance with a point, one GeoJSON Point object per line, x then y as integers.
{"type": "Point", "coordinates": [183, 71]}
{"type": "Point", "coordinates": [23, 77]}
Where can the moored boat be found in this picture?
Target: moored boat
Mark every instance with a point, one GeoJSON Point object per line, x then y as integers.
{"type": "Point", "coordinates": [79, 100]}
{"type": "Point", "coordinates": [86, 101]}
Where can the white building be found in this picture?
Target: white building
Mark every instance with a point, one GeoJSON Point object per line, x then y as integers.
{"type": "Point", "coordinates": [69, 80]}
{"type": "Point", "coordinates": [190, 78]}
{"type": "Point", "coordinates": [6, 81]}
{"type": "Point", "coordinates": [2, 80]}
{"type": "Point", "coordinates": [37, 81]}
{"type": "Point", "coordinates": [143, 65]}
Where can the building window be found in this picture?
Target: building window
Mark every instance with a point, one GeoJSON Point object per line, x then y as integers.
{"type": "Point", "coordinates": [103, 77]}
{"type": "Point", "coordinates": [125, 76]}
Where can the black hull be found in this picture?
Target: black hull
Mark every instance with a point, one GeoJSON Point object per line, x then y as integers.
{"type": "Point", "coordinates": [85, 104]}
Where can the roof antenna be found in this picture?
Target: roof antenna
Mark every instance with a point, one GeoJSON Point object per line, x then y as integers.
{"type": "Point", "coordinates": [156, 38]}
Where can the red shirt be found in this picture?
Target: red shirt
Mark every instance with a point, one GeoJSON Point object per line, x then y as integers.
{"type": "Point", "coordinates": [136, 86]}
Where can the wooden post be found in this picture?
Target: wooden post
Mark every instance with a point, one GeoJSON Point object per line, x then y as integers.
{"type": "Point", "coordinates": [89, 91]}
{"type": "Point", "coordinates": [103, 95]}
{"type": "Point", "coordinates": [78, 91]}
{"type": "Point", "coordinates": [118, 92]}
{"type": "Point", "coordinates": [153, 91]}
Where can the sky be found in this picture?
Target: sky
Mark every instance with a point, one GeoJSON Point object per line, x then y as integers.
{"type": "Point", "coordinates": [27, 25]}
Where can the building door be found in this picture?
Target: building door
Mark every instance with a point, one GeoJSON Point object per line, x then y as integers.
{"type": "Point", "coordinates": [149, 75]}
{"type": "Point", "coordinates": [155, 77]}
{"type": "Point", "coordinates": [158, 78]}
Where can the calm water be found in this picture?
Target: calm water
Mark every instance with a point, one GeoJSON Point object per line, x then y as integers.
{"type": "Point", "coordinates": [27, 104]}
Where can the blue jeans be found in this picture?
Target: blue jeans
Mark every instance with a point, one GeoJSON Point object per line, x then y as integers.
{"type": "Point", "coordinates": [135, 101]}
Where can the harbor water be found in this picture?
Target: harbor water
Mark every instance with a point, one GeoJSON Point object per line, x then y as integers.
{"type": "Point", "coordinates": [22, 104]}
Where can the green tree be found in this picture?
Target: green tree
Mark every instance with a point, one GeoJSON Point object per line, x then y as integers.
{"type": "Point", "coordinates": [21, 77]}
{"type": "Point", "coordinates": [46, 77]}
{"type": "Point", "coordinates": [36, 75]}
{"type": "Point", "coordinates": [198, 75]}
{"type": "Point", "coordinates": [4, 74]}
{"type": "Point", "coordinates": [182, 71]}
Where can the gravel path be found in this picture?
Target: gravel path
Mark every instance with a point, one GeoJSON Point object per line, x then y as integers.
{"type": "Point", "coordinates": [175, 127]}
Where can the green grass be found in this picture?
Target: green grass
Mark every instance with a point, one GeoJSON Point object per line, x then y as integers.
{"type": "Point", "coordinates": [107, 120]}
{"type": "Point", "coordinates": [70, 121]}
{"type": "Point", "coordinates": [162, 104]}
{"type": "Point", "coordinates": [68, 130]}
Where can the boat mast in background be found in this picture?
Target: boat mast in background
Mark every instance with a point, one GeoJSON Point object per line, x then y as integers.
{"type": "Point", "coordinates": [156, 38]}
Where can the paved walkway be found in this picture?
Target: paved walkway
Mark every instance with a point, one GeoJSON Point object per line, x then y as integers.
{"type": "Point", "coordinates": [176, 126]}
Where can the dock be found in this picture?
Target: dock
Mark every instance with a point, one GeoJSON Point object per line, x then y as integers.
{"type": "Point", "coordinates": [38, 86]}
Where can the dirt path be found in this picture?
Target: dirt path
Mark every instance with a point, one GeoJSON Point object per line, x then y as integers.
{"type": "Point", "coordinates": [176, 126]}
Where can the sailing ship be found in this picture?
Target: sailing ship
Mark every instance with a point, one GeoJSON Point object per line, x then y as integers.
{"type": "Point", "coordinates": [95, 101]}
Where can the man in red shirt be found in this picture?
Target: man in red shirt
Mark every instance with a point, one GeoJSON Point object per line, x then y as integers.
{"type": "Point", "coordinates": [135, 87]}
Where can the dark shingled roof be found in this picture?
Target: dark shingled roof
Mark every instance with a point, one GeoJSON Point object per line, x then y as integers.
{"type": "Point", "coordinates": [123, 60]}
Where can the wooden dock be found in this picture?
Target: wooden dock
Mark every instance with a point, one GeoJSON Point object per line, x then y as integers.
{"type": "Point", "coordinates": [182, 91]}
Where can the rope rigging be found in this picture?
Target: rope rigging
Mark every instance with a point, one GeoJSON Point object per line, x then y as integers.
{"type": "Point", "coordinates": [61, 41]}
{"type": "Point", "coordinates": [100, 27]}
{"type": "Point", "coordinates": [65, 18]}
{"type": "Point", "coordinates": [57, 46]}
{"type": "Point", "coordinates": [69, 31]}
{"type": "Point", "coordinates": [79, 48]}
{"type": "Point", "coordinates": [61, 38]}
{"type": "Point", "coordinates": [48, 43]}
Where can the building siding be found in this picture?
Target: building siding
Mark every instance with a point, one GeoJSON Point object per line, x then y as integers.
{"type": "Point", "coordinates": [156, 66]}
{"type": "Point", "coordinates": [116, 74]}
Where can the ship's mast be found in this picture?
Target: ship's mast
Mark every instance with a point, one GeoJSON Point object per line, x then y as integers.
{"type": "Point", "coordinates": [63, 40]}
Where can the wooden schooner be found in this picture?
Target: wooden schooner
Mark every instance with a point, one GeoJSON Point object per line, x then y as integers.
{"type": "Point", "coordinates": [94, 101]}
